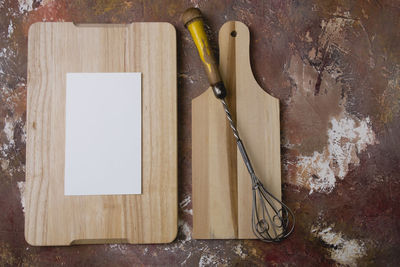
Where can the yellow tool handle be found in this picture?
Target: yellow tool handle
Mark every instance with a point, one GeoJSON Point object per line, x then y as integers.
{"type": "Point", "coordinates": [193, 21]}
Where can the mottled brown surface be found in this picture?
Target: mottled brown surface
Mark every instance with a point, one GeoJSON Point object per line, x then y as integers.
{"type": "Point", "coordinates": [334, 65]}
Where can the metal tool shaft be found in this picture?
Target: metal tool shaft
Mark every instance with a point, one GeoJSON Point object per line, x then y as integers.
{"type": "Point", "coordinates": [281, 224]}
{"type": "Point", "coordinates": [238, 140]}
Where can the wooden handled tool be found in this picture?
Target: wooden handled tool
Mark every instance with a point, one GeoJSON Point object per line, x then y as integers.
{"type": "Point", "coordinates": [272, 220]}
{"type": "Point", "coordinates": [193, 21]}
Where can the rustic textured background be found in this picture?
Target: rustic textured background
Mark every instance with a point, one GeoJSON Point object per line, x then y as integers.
{"type": "Point", "coordinates": [334, 65]}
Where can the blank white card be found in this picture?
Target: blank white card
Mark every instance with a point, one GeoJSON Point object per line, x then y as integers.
{"type": "Point", "coordinates": [103, 142]}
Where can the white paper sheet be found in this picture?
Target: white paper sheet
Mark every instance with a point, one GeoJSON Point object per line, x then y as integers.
{"type": "Point", "coordinates": [103, 134]}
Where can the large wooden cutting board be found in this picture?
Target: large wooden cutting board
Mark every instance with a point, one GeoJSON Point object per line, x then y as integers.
{"type": "Point", "coordinates": [222, 194]}
{"type": "Point", "coordinates": [57, 48]}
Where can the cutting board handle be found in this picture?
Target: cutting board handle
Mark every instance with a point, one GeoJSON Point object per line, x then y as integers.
{"type": "Point", "coordinates": [222, 196]}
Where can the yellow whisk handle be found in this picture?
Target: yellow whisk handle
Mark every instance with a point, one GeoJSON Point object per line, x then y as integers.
{"type": "Point", "coordinates": [193, 20]}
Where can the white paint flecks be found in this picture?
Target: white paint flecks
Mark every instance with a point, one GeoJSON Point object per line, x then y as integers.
{"type": "Point", "coordinates": [184, 203]}
{"type": "Point", "coordinates": [3, 56]}
{"type": "Point", "coordinates": [195, 3]}
{"type": "Point", "coordinates": [119, 247]}
{"type": "Point", "coordinates": [21, 188]}
{"type": "Point", "coordinates": [7, 148]}
{"type": "Point", "coordinates": [188, 256]}
{"type": "Point", "coordinates": [343, 251]}
{"type": "Point", "coordinates": [9, 130]}
{"type": "Point", "coordinates": [332, 31]}
{"type": "Point", "coordinates": [10, 29]}
{"type": "Point", "coordinates": [25, 5]}
{"type": "Point", "coordinates": [208, 259]}
{"type": "Point", "coordinates": [321, 177]}
{"type": "Point", "coordinates": [347, 137]}
{"type": "Point", "coordinates": [185, 229]}
{"type": "Point", "coordinates": [188, 211]}
{"type": "Point", "coordinates": [23, 132]}
{"type": "Point", "coordinates": [186, 236]}
{"type": "Point", "coordinates": [239, 251]}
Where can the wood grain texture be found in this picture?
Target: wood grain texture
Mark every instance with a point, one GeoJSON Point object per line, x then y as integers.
{"type": "Point", "coordinates": [222, 194]}
{"type": "Point", "coordinates": [57, 48]}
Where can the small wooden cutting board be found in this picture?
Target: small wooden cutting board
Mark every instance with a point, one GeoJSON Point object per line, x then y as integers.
{"type": "Point", "coordinates": [222, 194]}
{"type": "Point", "coordinates": [55, 49]}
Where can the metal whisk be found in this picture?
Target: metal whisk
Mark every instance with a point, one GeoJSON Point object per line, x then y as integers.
{"type": "Point", "coordinates": [269, 224]}
{"type": "Point", "coordinates": [272, 220]}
